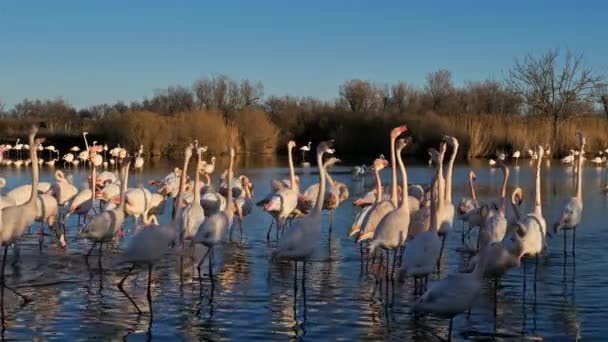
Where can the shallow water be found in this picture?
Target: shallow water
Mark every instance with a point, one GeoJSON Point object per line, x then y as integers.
{"type": "Point", "coordinates": [253, 298]}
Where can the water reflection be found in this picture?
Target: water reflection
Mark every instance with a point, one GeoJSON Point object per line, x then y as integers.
{"type": "Point", "coordinates": [252, 298]}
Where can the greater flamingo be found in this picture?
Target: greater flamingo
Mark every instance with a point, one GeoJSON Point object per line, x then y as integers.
{"type": "Point", "coordinates": [193, 215]}
{"type": "Point", "coordinates": [300, 242]}
{"type": "Point", "coordinates": [149, 245]}
{"type": "Point", "coordinates": [213, 228]}
{"type": "Point", "coordinates": [573, 210]}
{"type": "Point", "coordinates": [391, 232]}
{"type": "Point", "coordinates": [15, 219]}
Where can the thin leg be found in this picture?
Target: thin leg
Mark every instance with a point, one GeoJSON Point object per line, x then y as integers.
{"type": "Point", "coordinates": [304, 286]}
{"type": "Point", "coordinates": [565, 253]}
{"type": "Point", "coordinates": [440, 254]}
{"type": "Point", "coordinates": [122, 281]}
{"type": "Point", "coordinates": [536, 272]}
{"type": "Point", "coordinates": [211, 264]}
{"type": "Point", "coordinates": [394, 261]}
{"type": "Point", "coordinates": [241, 229]}
{"type": "Point", "coordinates": [200, 263]}
{"type": "Point", "coordinates": [573, 241]}
{"type": "Point", "coordinates": [450, 330]}
{"type": "Point", "coordinates": [523, 295]}
{"type": "Point", "coordinates": [4, 286]}
{"type": "Point", "coordinates": [269, 230]}
{"type": "Point", "coordinates": [149, 287]}
{"type": "Point", "coordinates": [295, 290]}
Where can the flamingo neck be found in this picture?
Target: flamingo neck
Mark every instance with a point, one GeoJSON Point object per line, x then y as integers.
{"type": "Point", "coordinates": [537, 199]}
{"type": "Point", "coordinates": [292, 171]}
{"type": "Point", "coordinates": [34, 157]}
{"type": "Point", "coordinates": [503, 193]}
{"type": "Point", "coordinates": [579, 178]}
{"type": "Point", "coordinates": [394, 197]}
{"type": "Point", "coordinates": [321, 193]}
{"type": "Point", "coordinates": [378, 186]}
{"type": "Point", "coordinates": [123, 186]}
{"type": "Point", "coordinates": [197, 180]}
{"type": "Point", "coordinates": [93, 181]}
{"type": "Point", "coordinates": [448, 180]}
{"type": "Point", "coordinates": [404, 202]}
{"type": "Point", "coordinates": [472, 189]}
{"type": "Point", "coordinates": [440, 185]}
{"type": "Point", "coordinates": [229, 210]}
{"type": "Point", "coordinates": [182, 188]}
{"type": "Point", "coordinates": [434, 191]}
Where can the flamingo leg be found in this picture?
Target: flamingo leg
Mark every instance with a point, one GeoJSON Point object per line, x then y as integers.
{"type": "Point", "coordinates": [573, 241]}
{"type": "Point", "coordinates": [4, 286]}
{"type": "Point", "coordinates": [269, 230]}
{"type": "Point", "coordinates": [149, 294]}
{"type": "Point", "coordinates": [295, 290]}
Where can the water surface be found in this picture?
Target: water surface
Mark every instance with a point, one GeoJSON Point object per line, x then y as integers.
{"type": "Point", "coordinates": [253, 298]}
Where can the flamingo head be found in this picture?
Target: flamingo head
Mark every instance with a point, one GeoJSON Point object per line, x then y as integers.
{"type": "Point", "coordinates": [397, 131]}
{"type": "Point", "coordinates": [291, 144]}
{"type": "Point", "coordinates": [325, 147]}
{"type": "Point", "coordinates": [380, 164]}
{"type": "Point", "coordinates": [274, 204]}
{"type": "Point", "coordinates": [452, 141]}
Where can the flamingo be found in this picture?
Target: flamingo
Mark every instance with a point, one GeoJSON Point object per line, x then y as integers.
{"type": "Point", "coordinates": [379, 210]}
{"type": "Point", "coordinates": [193, 215]}
{"type": "Point", "coordinates": [494, 225]}
{"type": "Point", "coordinates": [569, 159]}
{"type": "Point", "coordinates": [598, 161]}
{"type": "Point", "coordinates": [300, 242]}
{"type": "Point", "coordinates": [378, 165]}
{"type": "Point", "coordinates": [149, 245]}
{"type": "Point", "coordinates": [422, 252]}
{"type": "Point", "coordinates": [83, 201]}
{"type": "Point", "coordinates": [392, 229]}
{"type": "Point", "coordinates": [14, 220]}
{"type": "Point", "coordinates": [447, 210]}
{"type": "Point", "coordinates": [573, 209]}
{"type": "Point", "coordinates": [305, 149]}
{"type": "Point", "coordinates": [284, 201]}
{"type": "Point", "coordinates": [516, 156]}
{"type": "Point", "coordinates": [139, 161]}
{"type": "Point", "coordinates": [105, 226]}
{"type": "Point", "coordinates": [75, 149]}
{"type": "Point", "coordinates": [492, 162]}
{"type": "Point", "coordinates": [244, 203]}
{"type": "Point", "coordinates": [452, 295]}
{"type": "Point", "coordinates": [212, 230]}
{"type": "Point", "coordinates": [62, 189]}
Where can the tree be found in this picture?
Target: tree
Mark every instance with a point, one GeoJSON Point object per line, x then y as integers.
{"type": "Point", "coordinates": [553, 89]}
{"type": "Point", "coordinates": [439, 86]}
{"type": "Point", "coordinates": [359, 95]}
{"type": "Point", "coordinates": [2, 107]}
{"type": "Point", "coordinates": [601, 90]}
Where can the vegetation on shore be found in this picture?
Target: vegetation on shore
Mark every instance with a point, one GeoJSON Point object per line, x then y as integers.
{"type": "Point", "coordinates": [542, 100]}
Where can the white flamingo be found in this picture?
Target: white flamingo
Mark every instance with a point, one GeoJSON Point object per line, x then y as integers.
{"type": "Point", "coordinates": [391, 232]}
{"type": "Point", "coordinates": [193, 215]}
{"type": "Point", "coordinates": [300, 242]}
{"type": "Point", "coordinates": [244, 203]}
{"type": "Point", "coordinates": [149, 245]}
{"type": "Point", "coordinates": [212, 230]}
{"type": "Point", "coordinates": [379, 210]}
{"type": "Point", "coordinates": [15, 219]}
{"type": "Point", "coordinates": [377, 197]}
{"type": "Point", "coordinates": [573, 209]}
{"type": "Point", "coordinates": [516, 156]}
{"type": "Point", "coordinates": [422, 252]}
{"type": "Point", "coordinates": [284, 201]}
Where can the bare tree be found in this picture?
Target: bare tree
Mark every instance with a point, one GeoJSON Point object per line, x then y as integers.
{"type": "Point", "coordinates": [2, 107]}
{"type": "Point", "coordinates": [439, 86]}
{"type": "Point", "coordinates": [553, 89]}
{"type": "Point", "coordinates": [402, 95]}
{"type": "Point", "coordinates": [250, 92]}
{"type": "Point", "coordinates": [359, 95]}
{"type": "Point", "coordinates": [601, 91]}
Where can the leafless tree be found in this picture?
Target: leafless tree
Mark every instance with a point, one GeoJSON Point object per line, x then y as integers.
{"type": "Point", "coordinates": [2, 107]}
{"type": "Point", "coordinates": [359, 95]}
{"type": "Point", "coordinates": [250, 92]}
{"type": "Point", "coordinates": [601, 91]}
{"type": "Point", "coordinates": [553, 89]}
{"type": "Point", "coordinates": [439, 86]}
{"type": "Point", "coordinates": [402, 95]}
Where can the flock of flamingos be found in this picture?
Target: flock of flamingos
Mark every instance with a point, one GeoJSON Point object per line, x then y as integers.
{"type": "Point", "coordinates": [412, 221]}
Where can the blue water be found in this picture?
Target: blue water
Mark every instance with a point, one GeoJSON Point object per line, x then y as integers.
{"type": "Point", "coordinates": [253, 298]}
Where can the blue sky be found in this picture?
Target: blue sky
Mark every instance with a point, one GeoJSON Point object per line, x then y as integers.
{"type": "Point", "coordinates": [102, 51]}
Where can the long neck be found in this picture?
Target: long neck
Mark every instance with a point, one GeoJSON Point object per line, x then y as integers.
{"type": "Point", "coordinates": [182, 188]}
{"type": "Point", "coordinates": [434, 191]}
{"type": "Point", "coordinates": [579, 178]}
{"type": "Point", "coordinates": [292, 171]}
{"type": "Point", "coordinates": [328, 177]}
{"type": "Point", "coordinates": [503, 192]}
{"type": "Point", "coordinates": [378, 186]}
{"type": "Point", "coordinates": [537, 201]}
{"type": "Point", "coordinates": [229, 210]}
{"type": "Point", "coordinates": [93, 178]}
{"type": "Point", "coordinates": [515, 206]}
{"type": "Point", "coordinates": [472, 188]}
{"type": "Point", "coordinates": [404, 202]}
{"type": "Point", "coordinates": [448, 179]}
{"type": "Point", "coordinates": [86, 144]}
{"type": "Point", "coordinates": [34, 157]}
{"type": "Point", "coordinates": [197, 180]}
{"type": "Point", "coordinates": [123, 187]}
{"type": "Point", "coordinates": [440, 185]}
{"type": "Point", "coordinates": [394, 198]}
{"type": "Point", "coordinates": [321, 193]}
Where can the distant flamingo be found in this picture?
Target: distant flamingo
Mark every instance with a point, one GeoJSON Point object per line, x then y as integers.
{"type": "Point", "coordinates": [573, 210]}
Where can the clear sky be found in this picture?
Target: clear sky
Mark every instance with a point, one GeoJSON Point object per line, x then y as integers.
{"type": "Point", "coordinates": [102, 51]}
